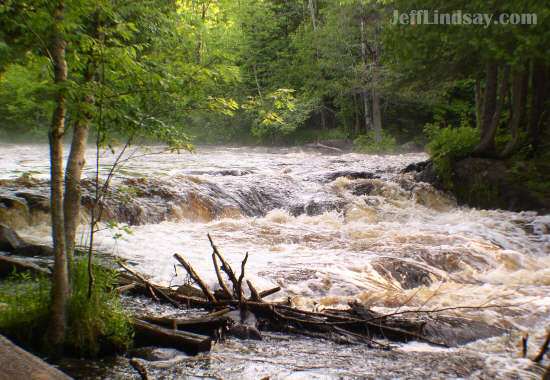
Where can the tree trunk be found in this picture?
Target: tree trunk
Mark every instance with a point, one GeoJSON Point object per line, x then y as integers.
{"type": "Point", "coordinates": [537, 102]}
{"type": "Point", "coordinates": [518, 85]}
{"type": "Point", "coordinates": [364, 60]}
{"type": "Point", "coordinates": [77, 156]}
{"type": "Point", "coordinates": [73, 192]}
{"type": "Point", "coordinates": [486, 147]}
{"type": "Point", "coordinates": [357, 126]}
{"type": "Point", "coordinates": [60, 289]}
{"type": "Point", "coordinates": [376, 115]}
{"type": "Point", "coordinates": [312, 13]}
{"type": "Point", "coordinates": [479, 104]}
{"type": "Point", "coordinates": [489, 101]}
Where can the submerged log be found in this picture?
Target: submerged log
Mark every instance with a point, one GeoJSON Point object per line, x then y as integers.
{"type": "Point", "coordinates": [191, 343]}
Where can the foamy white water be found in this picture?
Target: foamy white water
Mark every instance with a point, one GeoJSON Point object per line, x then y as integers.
{"type": "Point", "coordinates": [328, 233]}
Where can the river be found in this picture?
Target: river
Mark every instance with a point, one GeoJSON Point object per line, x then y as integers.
{"type": "Point", "coordinates": [328, 229]}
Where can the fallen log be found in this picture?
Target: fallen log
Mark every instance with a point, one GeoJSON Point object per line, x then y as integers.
{"type": "Point", "coordinates": [207, 325]}
{"type": "Point", "coordinates": [150, 334]}
{"type": "Point", "coordinates": [355, 325]}
{"type": "Point", "coordinates": [196, 278]}
{"type": "Point", "coordinates": [9, 265]}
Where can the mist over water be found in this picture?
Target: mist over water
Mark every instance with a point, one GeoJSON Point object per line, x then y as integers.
{"type": "Point", "coordinates": [330, 229]}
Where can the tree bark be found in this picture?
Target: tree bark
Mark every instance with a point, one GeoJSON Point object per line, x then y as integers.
{"type": "Point", "coordinates": [312, 13]}
{"type": "Point", "coordinates": [376, 115]}
{"type": "Point", "coordinates": [357, 125]}
{"type": "Point", "coordinates": [518, 85]}
{"type": "Point", "coordinates": [60, 289]}
{"type": "Point", "coordinates": [77, 156]}
{"type": "Point", "coordinates": [538, 96]}
{"type": "Point", "coordinates": [489, 98]}
{"type": "Point", "coordinates": [364, 60]}
{"type": "Point", "coordinates": [486, 147]}
{"type": "Point", "coordinates": [479, 104]}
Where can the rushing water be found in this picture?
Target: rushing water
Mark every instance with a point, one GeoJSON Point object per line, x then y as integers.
{"type": "Point", "coordinates": [329, 229]}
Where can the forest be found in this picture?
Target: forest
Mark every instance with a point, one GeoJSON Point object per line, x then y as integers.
{"type": "Point", "coordinates": [467, 82]}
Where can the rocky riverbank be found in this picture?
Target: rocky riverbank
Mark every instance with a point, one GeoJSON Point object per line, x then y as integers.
{"type": "Point", "coordinates": [490, 183]}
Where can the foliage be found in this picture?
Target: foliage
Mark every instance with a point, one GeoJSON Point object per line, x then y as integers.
{"type": "Point", "coordinates": [98, 323]}
{"type": "Point", "coordinates": [367, 143]}
{"type": "Point", "coordinates": [24, 308]}
{"type": "Point", "coordinates": [24, 95]}
{"type": "Point", "coordinates": [454, 143]}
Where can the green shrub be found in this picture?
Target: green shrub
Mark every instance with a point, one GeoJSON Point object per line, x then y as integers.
{"type": "Point", "coordinates": [454, 143]}
{"type": "Point", "coordinates": [367, 144]}
{"type": "Point", "coordinates": [24, 308]}
{"type": "Point", "coordinates": [96, 325]}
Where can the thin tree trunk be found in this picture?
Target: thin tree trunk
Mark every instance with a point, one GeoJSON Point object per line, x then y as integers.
{"type": "Point", "coordinates": [376, 115]}
{"type": "Point", "coordinates": [489, 101]}
{"type": "Point", "coordinates": [518, 85]}
{"type": "Point", "coordinates": [77, 156]}
{"type": "Point", "coordinates": [356, 112]}
{"type": "Point", "coordinates": [257, 82]}
{"type": "Point", "coordinates": [479, 104]}
{"type": "Point", "coordinates": [537, 102]}
{"type": "Point", "coordinates": [60, 289]}
{"type": "Point", "coordinates": [486, 146]}
{"type": "Point", "coordinates": [364, 60]}
{"type": "Point", "coordinates": [312, 13]}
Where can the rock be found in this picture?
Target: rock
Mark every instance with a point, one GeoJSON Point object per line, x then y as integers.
{"type": "Point", "coordinates": [153, 354]}
{"type": "Point", "coordinates": [362, 189]}
{"type": "Point", "coordinates": [36, 202]}
{"type": "Point", "coordinates": [9, 240]}
{"type": "Point", "coordinates": [458, 331]}
{"type": "Point", "coordinates": [488, 184]}
{"type": "Point", "coordinates": [416, 166]}
{"type": "Point", "coordinates": [243, 331]}
{"type": "Point", "coordinates": [352, 174]}
{"type": "Point", "coordinates": [409, 275]}
{"type": "Point", "coordinates": [31, 250]}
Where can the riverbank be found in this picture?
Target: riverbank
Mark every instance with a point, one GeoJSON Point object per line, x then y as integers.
{"type": "Point", "coordinates": [489, 183]}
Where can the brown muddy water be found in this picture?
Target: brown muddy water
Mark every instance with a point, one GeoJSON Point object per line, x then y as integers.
{"type": "Point", "coordinates": [328, 229]}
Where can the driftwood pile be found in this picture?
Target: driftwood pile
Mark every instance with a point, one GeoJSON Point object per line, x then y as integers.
{"type": "Point", "coordinates": [231, 311]}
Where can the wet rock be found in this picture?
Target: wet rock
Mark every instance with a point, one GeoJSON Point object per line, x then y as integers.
{"type": "Point", "coordinates": [362, 189]}
{"type": "Point", "coordinates": [458, 331]}
{"type": "Point", "coordinates": [9, 240]}
{"type": "Point", "coordinates": [416, 166]}
{"type": "Point", "coordinates": [318, 207]}
{"type": "Point", "coordinates": [153, 354]}
{"type": "Point", "coordinates": [490, 184]}
{"type": "Point", "coordinates": [243, 331]}
{"type": "Point", "coordinates": [36, 202]}
{"type": "Point", "coordinates": [409, 275]}
{"type": "Point", "coordinates": [31, 250]}
{"type": "Point", "coordinates": [351, 174]}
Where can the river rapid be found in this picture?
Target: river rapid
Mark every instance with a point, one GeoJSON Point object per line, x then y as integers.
{"type": "Point", "coordinates": [328, 229]}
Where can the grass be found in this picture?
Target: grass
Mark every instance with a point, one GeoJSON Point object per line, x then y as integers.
{"type": "Point", "coordinates": [96, 325]}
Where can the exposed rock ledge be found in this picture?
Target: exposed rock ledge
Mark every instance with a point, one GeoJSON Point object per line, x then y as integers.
{"type": "Point", "coordinates": [485, 183]}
